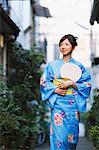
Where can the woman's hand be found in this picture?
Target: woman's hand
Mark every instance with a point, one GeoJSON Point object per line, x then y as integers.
{"type": "Point", "coordinates": [60, 91]}
{"type": "Point", "coordinates": [65, 84]}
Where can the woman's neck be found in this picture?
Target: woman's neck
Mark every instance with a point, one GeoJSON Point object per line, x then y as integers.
{"type": "Point", "coordinates": [66, 58]}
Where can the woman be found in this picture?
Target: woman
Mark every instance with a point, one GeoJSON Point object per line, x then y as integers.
{"type": "Point", "coordinates": [65, 107]}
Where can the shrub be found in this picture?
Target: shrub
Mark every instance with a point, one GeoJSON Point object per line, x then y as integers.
{"type": "Point", "coordinates": [21, 123]}
{"type": "Point", "coordinates": [91, 119]}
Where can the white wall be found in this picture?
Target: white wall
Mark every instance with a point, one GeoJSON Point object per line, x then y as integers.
{"type": "Point", "coordinates": [21, 14]}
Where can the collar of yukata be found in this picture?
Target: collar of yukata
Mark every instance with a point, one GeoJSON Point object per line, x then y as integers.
{"type": "Point", "coordinates": [70, 60]}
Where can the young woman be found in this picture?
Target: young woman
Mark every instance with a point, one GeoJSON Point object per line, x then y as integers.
{"type": "Point", "coordinates": [65, 107]}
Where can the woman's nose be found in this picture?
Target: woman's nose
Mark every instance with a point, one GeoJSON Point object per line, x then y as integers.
{"type": "Point", "coordinates": [63, 46]}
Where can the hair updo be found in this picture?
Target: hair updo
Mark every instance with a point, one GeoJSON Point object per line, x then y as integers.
{"type": "Point", "coordinates": [72, 39]}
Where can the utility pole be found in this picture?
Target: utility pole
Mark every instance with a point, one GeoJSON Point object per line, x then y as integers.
{"type": "Point", "coordinates": [92, 55]}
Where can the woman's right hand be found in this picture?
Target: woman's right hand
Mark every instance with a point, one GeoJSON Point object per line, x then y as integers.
{"type": "Point", "coordinates": [65, 84]}
{"type": "Point", "coordinates": [60, 91]}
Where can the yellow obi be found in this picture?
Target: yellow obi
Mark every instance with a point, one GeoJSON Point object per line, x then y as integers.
{"type": "Point", "coordinates": [57, 81]}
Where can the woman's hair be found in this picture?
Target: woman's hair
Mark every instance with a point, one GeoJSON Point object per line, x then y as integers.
{"type": "Point", "coordinates": [72, 39]}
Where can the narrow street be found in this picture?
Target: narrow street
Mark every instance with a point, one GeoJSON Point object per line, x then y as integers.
{"type": "Point", "coordinates": [83, 144]}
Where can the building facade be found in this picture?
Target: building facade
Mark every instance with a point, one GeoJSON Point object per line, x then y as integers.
{"type": "Point", "coordinates": [8, 33]}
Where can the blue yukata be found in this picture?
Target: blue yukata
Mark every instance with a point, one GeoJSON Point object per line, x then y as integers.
{"type": "Point", "coordinates": [64, 126]}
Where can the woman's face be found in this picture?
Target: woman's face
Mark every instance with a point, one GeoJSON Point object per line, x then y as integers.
{"type": "Point", "coordinates": [66, 47]}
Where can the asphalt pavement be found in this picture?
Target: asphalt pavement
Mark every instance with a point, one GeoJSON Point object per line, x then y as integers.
{"type": "Point", "coordinates": [83, 144]}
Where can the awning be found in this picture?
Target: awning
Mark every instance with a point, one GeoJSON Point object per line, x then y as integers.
{"type": "Point", "coordinates": [41, 11]}
{"type": "Point", "coordinates": [7, 26]}
{"type": "Point", "coordinates": [95, 12]}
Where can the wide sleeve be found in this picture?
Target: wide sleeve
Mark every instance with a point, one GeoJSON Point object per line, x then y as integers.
{"type": "Point", "coordinates": [83, 89]}
{"type": "Point", "coordinates": [47, 87]}
{"type": "Point", "coordinates": [84, 84]}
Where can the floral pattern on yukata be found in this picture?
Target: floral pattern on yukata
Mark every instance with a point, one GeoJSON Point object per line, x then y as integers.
{"type": "Point", "coordinates": [74, 92]}
{"type": "Point", "coordinates": [77, 115]}
{"type": "Point", "coordinates": [71, 101]}
{"type": "Point", "coordinates": [70, 138]}
{"type": "Point", "coordinates": [42, 81]}
{"type": "Point", "coordinates": [58, 144]}
{"type": "Point", "coordinates": [58, 119]}
{"type": "Point", "coordinates": [51, 129]}
{"type": "Point", "coordinates": [63, 114]}
{"type": "Point", "coordinates": [88, 84]}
